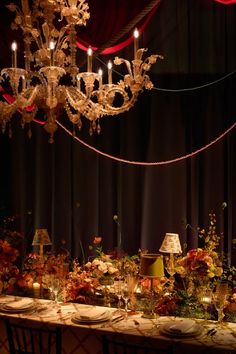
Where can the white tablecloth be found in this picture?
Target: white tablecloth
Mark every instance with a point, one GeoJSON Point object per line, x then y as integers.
{"type": "Point", "coordinates": [86, 339]}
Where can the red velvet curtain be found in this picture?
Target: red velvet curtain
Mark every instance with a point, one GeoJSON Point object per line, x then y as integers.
{"type": "Point", "coordinates": [111, 26]}
{"type": "Point", "coordinates": [112, 23]}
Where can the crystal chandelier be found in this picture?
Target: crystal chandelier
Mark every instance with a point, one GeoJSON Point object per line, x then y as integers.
{"type": "Point", "coordinates": [51, 82]}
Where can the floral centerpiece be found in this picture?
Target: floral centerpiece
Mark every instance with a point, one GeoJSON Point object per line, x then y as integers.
{"type": "Point", "coordinates": [9, 254]}
{"type": "Point", "coordinates": [203, 265]}
{"type": "Point", "coordinates": [102, 268]}
{"type": "Point", "coordinates": [8, 270]}
{"type": "Point", "coordinates": [79, 284]}
{"type": "Point", "coordinates": [196, 271]}
{"type": "Point", "coordinates": [37, 269]}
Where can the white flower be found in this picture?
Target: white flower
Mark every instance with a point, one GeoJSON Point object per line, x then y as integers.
{"type": "Point", "coordinates": [96, 262]}
{"type": "Point", "coordinates": [103, 268]}
{"type": "Point", "coordinates": [112, 270]}
{"type": "Point", "coordinates": [88, 265]}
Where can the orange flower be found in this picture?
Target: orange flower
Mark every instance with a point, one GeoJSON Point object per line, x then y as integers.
{"type": "Point", "coordinates": [97, 240]}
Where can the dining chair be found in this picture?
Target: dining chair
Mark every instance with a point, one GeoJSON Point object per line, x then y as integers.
{"type": "Point", "coordinates": [25, 339]}
{"type": "Point", "coordinates": [114, 346]}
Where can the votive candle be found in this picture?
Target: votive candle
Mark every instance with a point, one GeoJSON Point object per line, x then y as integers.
{"type": "Point", "coordinates": [36, 288]}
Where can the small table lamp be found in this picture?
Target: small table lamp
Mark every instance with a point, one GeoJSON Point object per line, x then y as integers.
{"type": "Point", "coordinates": [171, 244]}
{"type": "Point", "coordinates": [41, 238]}
{"type": "Point", "coordinates": [152, 267]}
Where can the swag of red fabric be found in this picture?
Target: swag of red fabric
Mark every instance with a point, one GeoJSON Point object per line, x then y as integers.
{"type": "Point", "coordinates": [109, 18]}
{"type": "Point", "coordinates": [226, 2]}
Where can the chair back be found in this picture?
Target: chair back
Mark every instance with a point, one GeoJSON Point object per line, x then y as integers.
{"type": "Point", "coordinates": [113, 346]}
{"type": "Point", "coordinates": [24, 339]}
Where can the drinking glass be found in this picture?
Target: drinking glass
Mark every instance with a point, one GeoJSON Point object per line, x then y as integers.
{"type": "Point", "coordinates": [118, 292]}
{"type": "Point", "coordinates": [125, 296]}
{"type": "Point", "coordinates": [205, 299]}
{"type": "Point", "coordinates": [55, 286]}
{"type": "Point", "coordinates": [219, 298]}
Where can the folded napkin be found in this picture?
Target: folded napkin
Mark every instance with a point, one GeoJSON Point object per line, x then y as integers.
{"type": "Point", "coordinates": [23, 303]}
{"type": "Point", "coordinates": [185, 326]}
{"type": "Point", "coordinates": [92, 313]}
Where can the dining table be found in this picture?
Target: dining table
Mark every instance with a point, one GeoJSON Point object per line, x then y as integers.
{"type": "Point", "coordinates": [84, 325]}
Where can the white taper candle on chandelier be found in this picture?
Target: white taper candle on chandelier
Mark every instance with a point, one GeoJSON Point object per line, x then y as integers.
{"type": "Point", "coordinates": [100, 78]}
{"type": "Point", "coordinates": [109, 66]}
{"type": "Point", "coordinates": [89, 63]}
{"type": "Point", "coordinates": [136, 36]}
{"type": "Point", "coordinates": [14, 54]}
{"type": "Point", "coordinates": [51, 47]}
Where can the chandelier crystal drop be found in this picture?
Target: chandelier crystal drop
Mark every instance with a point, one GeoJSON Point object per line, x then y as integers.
{"type": "Point", "coordinates": [51, 82]}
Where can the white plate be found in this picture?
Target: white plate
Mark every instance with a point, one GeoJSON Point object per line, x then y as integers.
{"type": "Point", "coordinates": [17, 310]}
{"type": "Point", "coordinates": [4, 299]}
{"type": "Point", "coordinates": [76, 318]}
{"type": "Point", "coordinates": [194, 331]}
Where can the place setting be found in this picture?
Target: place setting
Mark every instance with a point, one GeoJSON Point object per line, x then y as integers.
{"type": "Point", "coordinates": [92, 315]}
{"type": "Point", "coordinates": [19, 305]}
{"type": "Point", "coordinates": [183, 328]}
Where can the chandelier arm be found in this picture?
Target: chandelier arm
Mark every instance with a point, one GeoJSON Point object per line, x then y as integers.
{"type": "Point", "coordinates": [23, 102]}
{"type": "Point", "coordinates": [82, 104]}
{"type": "Point", "coordinates": [112, 110]}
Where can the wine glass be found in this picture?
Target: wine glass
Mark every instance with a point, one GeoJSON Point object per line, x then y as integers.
{"type": "Point", "coordinates": [55, 288]}
{"type": "Point", "coordinates": [118, 292]}
{"type": "Point", "coordinates": [219, 298]}
{"type": "Point", "coordinates": [125, 296]}
{"type": "Point", "coordinates": [205, 299]}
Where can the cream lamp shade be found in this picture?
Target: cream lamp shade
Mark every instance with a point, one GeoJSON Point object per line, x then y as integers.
{"type": "Point", "coordinates": [152, 265]}
{"type": "Point", "coordinates": [41, 238]}
{"type": "Point", "coordinates": [171, 244]}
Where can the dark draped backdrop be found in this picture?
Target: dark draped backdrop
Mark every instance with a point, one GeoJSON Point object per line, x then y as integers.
{"type": "Point", "coordinates": [74, 191]}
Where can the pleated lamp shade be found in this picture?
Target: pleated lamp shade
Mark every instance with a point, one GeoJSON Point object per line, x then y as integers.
{"type": "Point", "coordinates": [41, 238]}
{"type": "Point", "coordinates": [171, 244]}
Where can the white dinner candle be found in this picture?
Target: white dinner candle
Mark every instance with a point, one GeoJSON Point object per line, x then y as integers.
{"type": "Point", "coordinates": [14, 54]}
{"type": "Point", "coordinates": [109, 66]}
{"type": "Point", "coordinates": [100, 78]}
{"type": "Point", "coordinates": [136, 35]}
{"type": "Point", "coordinates": [51, 48]}
{"type": "Point", "coordinates": [89, 64]}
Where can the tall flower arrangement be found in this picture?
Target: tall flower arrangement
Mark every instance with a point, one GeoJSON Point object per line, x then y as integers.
{"type": "Point", "coordinates": [203, 262]}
